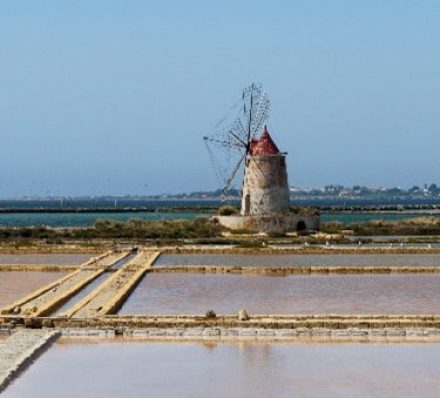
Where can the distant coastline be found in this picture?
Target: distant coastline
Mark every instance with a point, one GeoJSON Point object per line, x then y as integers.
{"type": "Point", "coordinates": [171, 204]}
{"type": "Point", "coordinates": [426, 193]}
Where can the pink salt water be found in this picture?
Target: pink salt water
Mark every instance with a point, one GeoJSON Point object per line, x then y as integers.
{"type": "Point", "coordinates": [186, 293]}
{"type": "Point", "coordinates": [61, 259]}
{"type": "Point", "coordinates": [292, 260]}
{"type": "Point", "coordinates": [14, 285]}
{"type": "Point", "coordinates": [244, 369]}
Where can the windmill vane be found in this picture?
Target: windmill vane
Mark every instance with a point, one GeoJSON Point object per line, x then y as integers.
{"type": "Point", "coordinates": [230, 143]}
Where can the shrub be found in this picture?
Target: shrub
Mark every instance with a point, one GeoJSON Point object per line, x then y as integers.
{"type": "Point", "coordinates": [333, 227]}
{"type": "Point", "coordinates": [305, 211]}
{"type": "Point", "coordinates": [251, 244]}
{"type": "Point", "coordinates": [227, 210]}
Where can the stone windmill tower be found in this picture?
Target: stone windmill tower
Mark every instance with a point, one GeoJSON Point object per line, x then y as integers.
{"type": "Point", "coordinates": [265, 186]}
{"type": "Point", "coordinates": [265, 205]}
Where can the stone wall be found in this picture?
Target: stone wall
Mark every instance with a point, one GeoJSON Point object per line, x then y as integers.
{"type": "Point", "coordinates": [271, 224]}
{"type": "Point", "coordinates": [265, 187]}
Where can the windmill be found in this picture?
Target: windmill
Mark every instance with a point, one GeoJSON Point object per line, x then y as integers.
{"type": "Point", "coordinates": [230, 143]}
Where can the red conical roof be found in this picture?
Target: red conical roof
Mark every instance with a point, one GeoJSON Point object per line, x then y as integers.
{"type": "Point", "coordinates": [264, 145]}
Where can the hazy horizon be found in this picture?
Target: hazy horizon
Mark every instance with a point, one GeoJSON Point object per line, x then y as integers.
{"type": "Point", "coordinates": [172, 193]}
{"type": "Point", "coordinates": [113, 98]}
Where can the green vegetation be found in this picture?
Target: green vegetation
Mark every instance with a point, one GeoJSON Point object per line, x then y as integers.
{"type": "Point", "coordinates": [139, 229]}
{"type": "Point", "coordinates": [415, 226]}
{"type": "Point", "coordinates": [333, 227]}
{"type": "Point", "coordinates": [207, 231]}
{"type": "Point", "coordinates": [228, 210]}
{"type": "Point", "coordinates": [133, 229]}
{"type": "Point", "coordinates": [304, 211]}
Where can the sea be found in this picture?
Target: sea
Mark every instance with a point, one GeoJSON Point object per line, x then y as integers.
{"type": "Point", "coordinates": [78, 213]}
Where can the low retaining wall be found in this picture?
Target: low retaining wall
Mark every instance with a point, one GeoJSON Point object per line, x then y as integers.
{"type": "Point", "coordinates": [270, 223]}
{"type": "Point", "coordinates": [274, 321]}
{"type": "Point", "coordinates": [37, 267]}
{"type": "Point", "coordinates": [282, 335]}
{"type": "Point", "coordinates": [293, 270]}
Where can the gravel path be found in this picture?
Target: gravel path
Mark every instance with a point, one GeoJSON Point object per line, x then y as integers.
{"type": "Point", "coordinates": [19, 350]}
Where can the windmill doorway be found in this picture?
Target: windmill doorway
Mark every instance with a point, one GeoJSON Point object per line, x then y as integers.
{"type": "Point", "coordinates": [301, 226]}
{"type": "Point", "coordinates": [247, 204]}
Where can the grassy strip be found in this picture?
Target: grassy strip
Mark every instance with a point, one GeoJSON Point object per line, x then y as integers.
{"type": "Point", "coordinates": [203, 231]}
{"type": "Point", "coordinates": [416, 226]}
{"type": "Point", "coordinates": [132, 229]}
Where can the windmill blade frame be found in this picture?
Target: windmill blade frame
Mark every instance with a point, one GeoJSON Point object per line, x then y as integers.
{"type": "Point", "coordinates": [233, 174]}
{"type": "Point", "coordinates": [233, 139]}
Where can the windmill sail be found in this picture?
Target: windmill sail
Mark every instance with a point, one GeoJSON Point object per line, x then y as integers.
{"type": "Point", "coordinates": [230, 142]}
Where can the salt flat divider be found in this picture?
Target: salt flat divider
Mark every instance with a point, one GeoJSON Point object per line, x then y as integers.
{"type": "Point", "coordinates": [293, 270]}
{"type": "Point", "coordinates": [37, 293]}
{"type": "Point", "coordinates": [118, 299]}
{"type": "Point", "coordinates": [108, 296]}
{"type": "Point", "coordinates": [264, 321]}
{"type": "Point", "coordinates": [44, 300]}
{"type": "Point", "coordinates": [19, 350]}
{"type": "Point", "coordinates": [38, 267]}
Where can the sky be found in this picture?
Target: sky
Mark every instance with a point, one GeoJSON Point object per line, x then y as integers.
{"type": "Point", "coordinates": [109, 97]}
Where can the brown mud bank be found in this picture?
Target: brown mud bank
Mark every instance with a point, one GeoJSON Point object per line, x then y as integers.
{"type": "Point", "coordinates": [34, 248]}
{"type": "Point", "coordinates": [297, 270]}
{"type": "Point", "coordinates": [246, 246]}
{"type": "Point", "coordinates": [269, 321]}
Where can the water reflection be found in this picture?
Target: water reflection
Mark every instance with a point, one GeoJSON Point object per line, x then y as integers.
{"type": "Point", "coordinates": [233, 370]}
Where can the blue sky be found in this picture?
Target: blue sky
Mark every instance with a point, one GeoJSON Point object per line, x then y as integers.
{"type": "Point", "coordinates": [113, 97]}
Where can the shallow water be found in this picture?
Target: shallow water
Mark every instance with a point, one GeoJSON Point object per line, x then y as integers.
{"type": "Point", "coordinates": [59, 259]}
{"type": "Point", "coordinates": [243, 369]}
{"type": "Point", "coordinates": [75, 219]}
{"type": "Point", "coordinates": [14, 285]}
{"type": "Point", "coordinates": [81, 294]}
{"type": "Point", "coordinates": [181, 293]}
{"type": "Point", "coordinates": [292, 260]}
